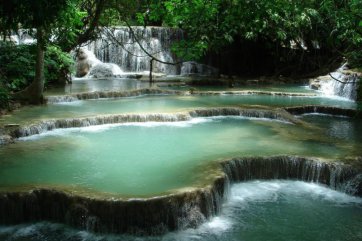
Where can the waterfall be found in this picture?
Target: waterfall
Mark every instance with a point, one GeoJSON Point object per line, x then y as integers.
{"type": "Point", "coordinates": [49, 125]}
{"type": "Point", "coordinates": [22, 36]}
{"type": "Point", "coordinates": [156, 91]}
{"type": "Point", "coordinates": [338, 176]}
{"type": "Point", "coordinates": [119, 46]}
{"type": "Point", "coordinates": [161, 214]}
{"type": "Point", "coordinates": [341, 83]}
{"type": "Point", "coordinates": [328, 110]}
{"type": "Point", "coordinates": [284, 115]}
{"type": "Point", "coordinates": [109, 94]}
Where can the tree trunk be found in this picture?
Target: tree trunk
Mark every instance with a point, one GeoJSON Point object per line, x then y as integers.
{"type": "Point", "coordinates": [151, 68]}
{"type": "Point", "coordinates": [33, 94]}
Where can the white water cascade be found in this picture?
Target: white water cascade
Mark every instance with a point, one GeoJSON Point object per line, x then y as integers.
{"type": "Point", "coordinates": [122, 47]}
{"type": "Point", "coordinates": [340, 84]}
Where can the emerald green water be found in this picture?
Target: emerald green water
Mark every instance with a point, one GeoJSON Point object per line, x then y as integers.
{"type": "Point", "coordinates": [148, 159]}
{"type": "Point", "coordinates": [157, 104]}
{"type": "Point", "coordinates": [153, 158]}
{"type": "Point", "coordinates": [254, 211]}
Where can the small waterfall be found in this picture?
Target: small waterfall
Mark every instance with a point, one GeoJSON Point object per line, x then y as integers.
{"type": "Point", "coordinates": [279, 115]}
{"type": "Point", "coordinates": [22, 36]}
{"type": "Point", "coordinates": [119, 46]}
{"type": "Point", "coordinates": [158, 215]}
{"type": "Point", "coordinates": [155, 91]}
{"type": "Point", "coordinates": [48, 125]}
{"type": "Point", "coordinates": [141, 216]}
{"type": "Point", "coordinates": [284, 115]}
{"type": "Point", "coordinates": [341, 83]}
{"type": "Point", "coordinates": [329, 110]}
{"type": "Point", "coordinates": [338, 176]}
{"type": "Point", "coordinates": [109, 94]}
{"type": "Point", "coordinates": [89, 66]}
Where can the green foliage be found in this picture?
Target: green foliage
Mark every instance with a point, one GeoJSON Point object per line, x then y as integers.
{"type": "Point", "coordinates": [212, 24]}
{"type": "Point", "coordinates": [17, 65]}
{"type": "Point", "coordinates": [30, 13]}
{"type": "Point", "coordinates": [4, 98]}
{"type": "Point", "coordinates": [16, 69]}
{"type": "Point", "coordinates": [69, 26]}
{"type": "Point", "coordinates": [57, 65]}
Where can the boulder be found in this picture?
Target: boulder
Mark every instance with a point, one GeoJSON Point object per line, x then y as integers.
{"type": "Point", "coordinates": [192, 68]}
{"type": "Point", "coordinates": [85, 61]}
{"type": "Point", "coordinates": [105, 70]}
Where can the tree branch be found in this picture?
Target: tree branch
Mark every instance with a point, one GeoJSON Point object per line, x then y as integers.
{"type": "Point", "coordinates": [344, 82]}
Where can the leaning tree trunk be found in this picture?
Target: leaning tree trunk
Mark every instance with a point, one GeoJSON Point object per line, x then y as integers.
{"type": "Point", "coordinates": [33, 94]}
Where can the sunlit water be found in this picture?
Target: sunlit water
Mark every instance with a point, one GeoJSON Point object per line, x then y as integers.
{"type": "Point", "coordinates": [152, 158]}
{"type": "Point", "coordinates": [254, 211]}
{"type": "Point", "coordinates": [157, 104]}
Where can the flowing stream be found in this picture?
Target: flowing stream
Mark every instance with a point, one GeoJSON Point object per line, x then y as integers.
{"type": "Point", "coordinates": [153, 151]}
{"type": "Point", "coordinates": [256, 210]}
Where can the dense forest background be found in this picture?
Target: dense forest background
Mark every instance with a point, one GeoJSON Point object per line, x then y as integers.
{"type": "Point", "coordinates": [248, 38]}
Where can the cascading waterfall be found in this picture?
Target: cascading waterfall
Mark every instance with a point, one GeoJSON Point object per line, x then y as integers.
{"type": "Point", "coordinates": [317, 109]}
{"type": "Point", "coordinates": [170, 212]}
{"type": "Point", "coordinates": [283, 114]}
{"type": "Point", "coordinates": [110, 94]}
{"type": "Point", "coordinates": [120, 46]}
{"type": "Point", "coordinates": [337, 176]}
{"type": "Point", "coordinates": [22, 36]}
{"type": "Point", "coordinates": [48, 125]}
{"type": "Point", "coordinates": [341, 84]}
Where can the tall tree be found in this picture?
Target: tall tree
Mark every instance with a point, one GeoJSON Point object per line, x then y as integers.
{"type": "Point", "coordinates": [39, 15]}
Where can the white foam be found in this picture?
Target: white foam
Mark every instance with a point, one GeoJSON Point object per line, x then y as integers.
{"type": "Point", "coordinates": [326, 115]}
{"type": "Point", "coordinates": [266, 190]}
{"type": "Point", "coordinates": [243, 194]}
{"type": "Point", "coordinates": [148, 124]}
{"type": "Point", "coordinates": [247, 118]}
{"type": "Point", "coordinates": [74, 102]}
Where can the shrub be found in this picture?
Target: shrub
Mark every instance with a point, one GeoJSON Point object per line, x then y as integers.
{"type": "Point", "coordinates": [16, 65]}
{"type": "Point", "coordinates": [58, 65]}
{"type": "Point", "coordinates": [17, 68]}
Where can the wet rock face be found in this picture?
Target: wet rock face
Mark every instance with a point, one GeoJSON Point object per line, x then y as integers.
{"type": "Point", "coordinates": [82, 63]}
{"type": "Point", "coordinates": [105, 70]}
{"type": "Point", "coordinates": [88, 64]}
{"type": "Point", "coordinates": [85, 61]}
{"type": "Point", "coordinates": [192, 68]}
{"type": "Point", "coordinates": [343, 82]}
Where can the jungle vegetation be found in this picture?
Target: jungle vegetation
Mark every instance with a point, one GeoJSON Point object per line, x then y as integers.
{"type": "Point", "coordinates": [295, 37]}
